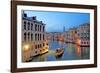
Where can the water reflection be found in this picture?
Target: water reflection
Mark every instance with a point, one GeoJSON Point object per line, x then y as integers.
{"type": "Point", "coordinates": [71, 52]}
{"type": "Point", "coordinates": [78, 50]}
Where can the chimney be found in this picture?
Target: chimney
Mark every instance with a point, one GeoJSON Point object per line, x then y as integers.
{"type": "Point", "coordinates": [25, 15]}
{"type": "Point", "coordinates": [34, 17]}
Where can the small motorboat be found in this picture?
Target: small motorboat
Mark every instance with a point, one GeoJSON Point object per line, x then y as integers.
{"type": "Point", "coordinates": [59, 52]}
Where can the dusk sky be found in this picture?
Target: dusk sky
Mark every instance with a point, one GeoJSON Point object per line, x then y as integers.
{"type": "Point", "coordinates": [56, 21]}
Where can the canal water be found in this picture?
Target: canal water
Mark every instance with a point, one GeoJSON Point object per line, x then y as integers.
{"type": "Point", "coordinates": [71, 52]}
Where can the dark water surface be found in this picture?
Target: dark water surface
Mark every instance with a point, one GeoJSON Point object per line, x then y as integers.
{"type": "Point", "coordinates": [71, 52]}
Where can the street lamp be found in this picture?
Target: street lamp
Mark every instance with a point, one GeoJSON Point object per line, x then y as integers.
{"type": "Point", "coordinates": [26, 47]}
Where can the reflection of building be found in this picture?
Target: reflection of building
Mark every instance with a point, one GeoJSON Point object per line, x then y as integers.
{"type": "Point", "coordinates": [33, 37]}
{"type": "Point", "coordinates": [83, 32]}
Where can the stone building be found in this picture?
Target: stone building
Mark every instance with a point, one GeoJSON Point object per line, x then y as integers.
{"type": "Point", "coordinates": [70, 35]}
{"type": "Point", "coordinates": [83, 32]}
{"type": "Point", "coordinates": [33, 37]}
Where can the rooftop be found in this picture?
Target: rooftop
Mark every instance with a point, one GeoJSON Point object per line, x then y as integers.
{"type": "Point", "coordinates": [33, 19]}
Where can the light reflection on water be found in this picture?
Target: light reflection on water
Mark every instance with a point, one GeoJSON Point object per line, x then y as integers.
{"type": "Point", "coordinates": [71, 52]}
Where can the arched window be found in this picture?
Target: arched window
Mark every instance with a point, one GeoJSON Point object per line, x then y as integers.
{"type": "Point", "coordinates": [38, 46]}
{"type": "Point", "coordinates": [35, 27]}
{"type": "Point", "coordinates": [28, 26]}
{"type": "Point", "coordinates": [24, 25]}
{"type": "Point", "coordinates": [28, 35]}
{"type": "Point", "coordinates": [36, 52]}
{"type": "Point", "coordinates": [43, 28]}
{"type": "Point", "coordinates": [31, 26]}
{"type": "Point", "coordinates": [38, 36]}
{"type": "Point", "coordinates": [24, 22]}
{"type": "Point", "coordinates": [43, 36]}
{"type": "Point", "coordinates": [31, 37]}
{"type": "Point", "coordinates": [35, 37]}
{"type": "Point", "coordinates": [40, 28]}
{"type": "Point", "coordinates": [25, 36]}
{"type": "Point", "coordinates": [43, 44]}
{"type": "Point", "coordinates": [35, 46]}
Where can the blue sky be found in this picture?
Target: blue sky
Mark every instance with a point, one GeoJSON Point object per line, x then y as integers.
{"type": "Point", "coordinates": [56, 21]}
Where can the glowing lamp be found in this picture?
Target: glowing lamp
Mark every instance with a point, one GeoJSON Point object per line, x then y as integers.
{"type": "Point", "coordinates": [26, 47]}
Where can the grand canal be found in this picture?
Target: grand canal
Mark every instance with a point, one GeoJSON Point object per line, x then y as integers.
{"type": "Point", "coordinates": [71, 52]}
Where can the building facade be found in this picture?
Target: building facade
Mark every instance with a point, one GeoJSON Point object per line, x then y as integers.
{"type": "Point", "coordinates": [55, 36]}
{"type": "Point", "coordinates": [70, 35]}
{"type": "Point", "coordinates": [33, 37]}
{"type": "Point", "coordinates": [79, 35]}
{"type": "Point", "coordinates": [83, 32]}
